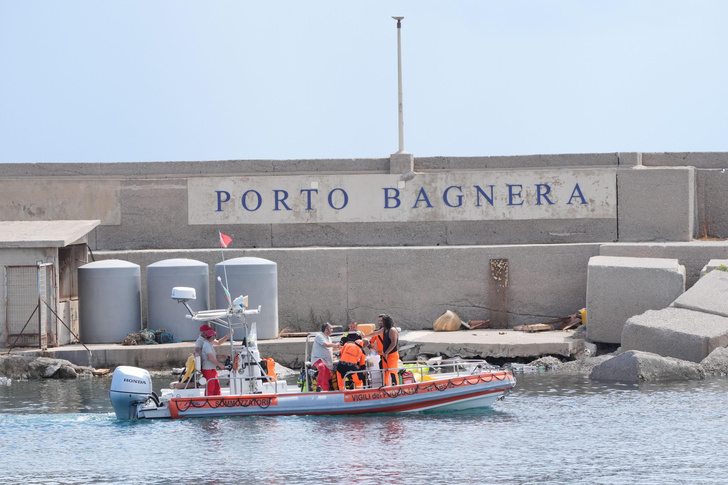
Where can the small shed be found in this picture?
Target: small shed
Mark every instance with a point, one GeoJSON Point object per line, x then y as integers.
{"type": "Point", "coordinates": [39, 288]}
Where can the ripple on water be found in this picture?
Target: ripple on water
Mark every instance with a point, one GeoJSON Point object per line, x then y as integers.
{"type": "Point", "coordinates": [550, 429]}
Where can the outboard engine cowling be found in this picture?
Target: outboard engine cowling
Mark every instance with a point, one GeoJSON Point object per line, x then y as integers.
{"type": "Point", "coordinates": [130, 387]}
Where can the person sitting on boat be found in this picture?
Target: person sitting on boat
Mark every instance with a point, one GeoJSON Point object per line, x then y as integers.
{"type": "Point", "coordinates": [352, 335]}
{"type": "Point", "coordinates": [390, 352]}
{"type": "Point", "coordinates": [210, 364]}
{"type": "Point", "coordinates": [201, 339]}
{"type": "Point", "coordinates": [322, 356]}
{"type": "Point", "coordinates": [353, 359]}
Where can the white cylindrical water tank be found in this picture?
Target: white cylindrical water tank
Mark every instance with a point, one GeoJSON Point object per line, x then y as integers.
{"type": "Point", "coordinates": [257, 278]}
{"type": "Point", "coordinates": [165, 313]}
{"type": "Point", "coordinates": [109, 301]}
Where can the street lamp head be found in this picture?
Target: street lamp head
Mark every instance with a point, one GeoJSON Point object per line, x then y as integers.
{"type": "Point", "coordinates": [397, 18]}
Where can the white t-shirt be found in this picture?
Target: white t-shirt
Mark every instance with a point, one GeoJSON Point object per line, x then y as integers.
{"type": "Point", "coordinates": [207, 348]}
{"type": "Point", "coordinates": [320, 352]}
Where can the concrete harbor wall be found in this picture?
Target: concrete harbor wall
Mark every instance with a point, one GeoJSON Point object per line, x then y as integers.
{"type": "Point", "coordinates": [147, 205]}
{"type": "Point", "coordinates": [413, 264]}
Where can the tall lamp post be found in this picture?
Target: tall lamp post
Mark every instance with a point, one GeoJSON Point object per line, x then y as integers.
{"type": "Point", "coordinates": [399, 83]}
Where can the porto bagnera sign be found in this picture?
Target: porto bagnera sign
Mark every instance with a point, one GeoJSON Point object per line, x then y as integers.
{"type": "Point", "coordinates": [441, 196]}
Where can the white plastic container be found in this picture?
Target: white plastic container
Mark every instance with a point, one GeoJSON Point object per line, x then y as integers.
{"type": "Point", "coordinates": [372, 363]}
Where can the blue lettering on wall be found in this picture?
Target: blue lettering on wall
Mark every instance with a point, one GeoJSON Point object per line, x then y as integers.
{"type": "Point", "coordinates": [245, 204]}
{"type": "Point", "coordinates": [512, 194]}
{"type": "Point", "coordinates": [422, 197]}
{"type": "Point", "coordinates": [481, 192]}
{"type": "Point", "coordinates": [331, 199]}
{"type": "Point", "coordinates": [281, 200]}
{"type": "Point", "coordinates": [220, 200]}
{"type": "Point", "coordinates": [580, 196]}
{"type": "Point", "coordinates": [458, 197]}
{"type": "Point", "coordinates": [540, 194]}
{"type": "Point", "coordinates": [388, 197]}
{"type": "Point", "coordinates": [308, 197]}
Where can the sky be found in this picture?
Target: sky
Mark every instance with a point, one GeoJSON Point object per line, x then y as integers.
{"type": "Point", "coordinates": [126, 81]}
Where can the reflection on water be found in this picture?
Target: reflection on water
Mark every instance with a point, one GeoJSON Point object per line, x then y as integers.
{"type": "Point", "coordinates": [550, 429]}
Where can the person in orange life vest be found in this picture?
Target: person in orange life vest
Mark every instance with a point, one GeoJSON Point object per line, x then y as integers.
{"type": "Point", "coordinates": [353, 359]}
{"type": "Point", "coordinates": [390, 353]}
{"type": "Point", "coordinates": [376, 342]}
{"type": "Point", "coordinates": [352, 335]}
{"type": "Point", "coordinates": [322, 356]}
{"type": "Point", "coordinates": [210, 364]}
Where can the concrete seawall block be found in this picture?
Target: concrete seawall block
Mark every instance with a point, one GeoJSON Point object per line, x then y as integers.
{"type": "Point", "coordinates": [676, 332]}
{"type": "Point", "coordinates": [619, 288]}
{"type": "Point", "coordinates": [693, 255]}
{"type": "Point", "coordinates": [713, 264]}
{"type": "Point", "coordinates": [708, 295]}
{"type": "Point", "coordinates": [657, 204]}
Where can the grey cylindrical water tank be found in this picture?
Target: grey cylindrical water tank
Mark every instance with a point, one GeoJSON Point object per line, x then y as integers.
{"type": "Point", "coordinates": [165, 313]}
{"type": "Point", "coordinates": [257, 278]}
{"type": "Point", "coordinates": [109, 301]}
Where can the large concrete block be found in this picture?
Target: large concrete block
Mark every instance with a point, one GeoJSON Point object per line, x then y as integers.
{"type": "Point", "coordinates": [693, 255]}
{"type": "Point", "coordinates": [712, 187]}
{"type": "Point", "coordinates": [657, 204]}
{"type": "Point", "coordinates": [618, 288]}
{"type": "Point", "coordinates": [676, 332]}
{"type": "Point", "coordinates": [708, 295]}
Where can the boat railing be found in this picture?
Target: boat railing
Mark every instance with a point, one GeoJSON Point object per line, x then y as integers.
{"type": "Point", "coordinates": [458, 367]}
{"type": "Point", "coordinates": [243, 379]}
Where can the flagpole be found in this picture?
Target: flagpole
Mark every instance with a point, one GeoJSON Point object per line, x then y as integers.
{"type": "Point", "coordinates": [227, 294]}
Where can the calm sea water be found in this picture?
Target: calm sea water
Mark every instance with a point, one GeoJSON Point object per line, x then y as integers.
{"type": "Point", "coordinates": [550, 429]}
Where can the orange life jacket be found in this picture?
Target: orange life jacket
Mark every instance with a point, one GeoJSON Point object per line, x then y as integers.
{"type": "Point", "coordinates": [352, 353]}
{"type": "Point", "coordinates": [377, 344]}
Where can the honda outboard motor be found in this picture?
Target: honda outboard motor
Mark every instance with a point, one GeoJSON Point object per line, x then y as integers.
{"type": "Point", "coordinates": [130, 387]}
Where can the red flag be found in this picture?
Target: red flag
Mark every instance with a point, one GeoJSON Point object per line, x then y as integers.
{"type": "Point", "coordinates": [225, 240]}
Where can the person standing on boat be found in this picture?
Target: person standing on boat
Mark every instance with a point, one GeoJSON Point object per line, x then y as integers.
{"type": "Point", "coordinates": [322, 356]}
{"type": "Point", "coordinates": [390, 352]}
{"type": "Point", "coordinates": [201, 339]}
{"type": "Point", "coordinates": [353, 359]}
{"type": "Point", "coordinates": [210, 364]}
{"type": "Point", "coordinates": [352, 335]}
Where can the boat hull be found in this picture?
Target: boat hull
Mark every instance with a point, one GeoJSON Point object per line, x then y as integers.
{"type": "Point", "coordinates": [455, 393]}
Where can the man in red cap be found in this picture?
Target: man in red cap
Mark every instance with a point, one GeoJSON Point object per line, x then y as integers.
{"type": "Point", "coordinates": [210, 364]}
{"type": "Point", "coordinates": [201, 339]}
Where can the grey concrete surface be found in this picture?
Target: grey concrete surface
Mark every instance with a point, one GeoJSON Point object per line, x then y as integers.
{"type": "Point", "coordinates": [713, 264]}
{"type": "Point", "coordinates": [401, 163]}
{"type": "Point", "coordinates": [676, 332]}
{"type": "Point", "coordinates": [682, 159]}
{"type": "Point", "coordinates": [506, 344]}
{"type": "Point", "coordinates": [657, 204]}
{"type": "Point", "coordinates": [415, 285]}
{"type": "Point", "coordinates": [618, 288]}
{"type": "Point", "coordinates": [538, 161]}
{"type": "Point", "coordinates": [629, 159]}
{"type": "Point", "coordinates": [693, 255]}
{"type": "Point", "coordinates": [712, 187]}
{"type": "Point", "coordinates": [708, 295]}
